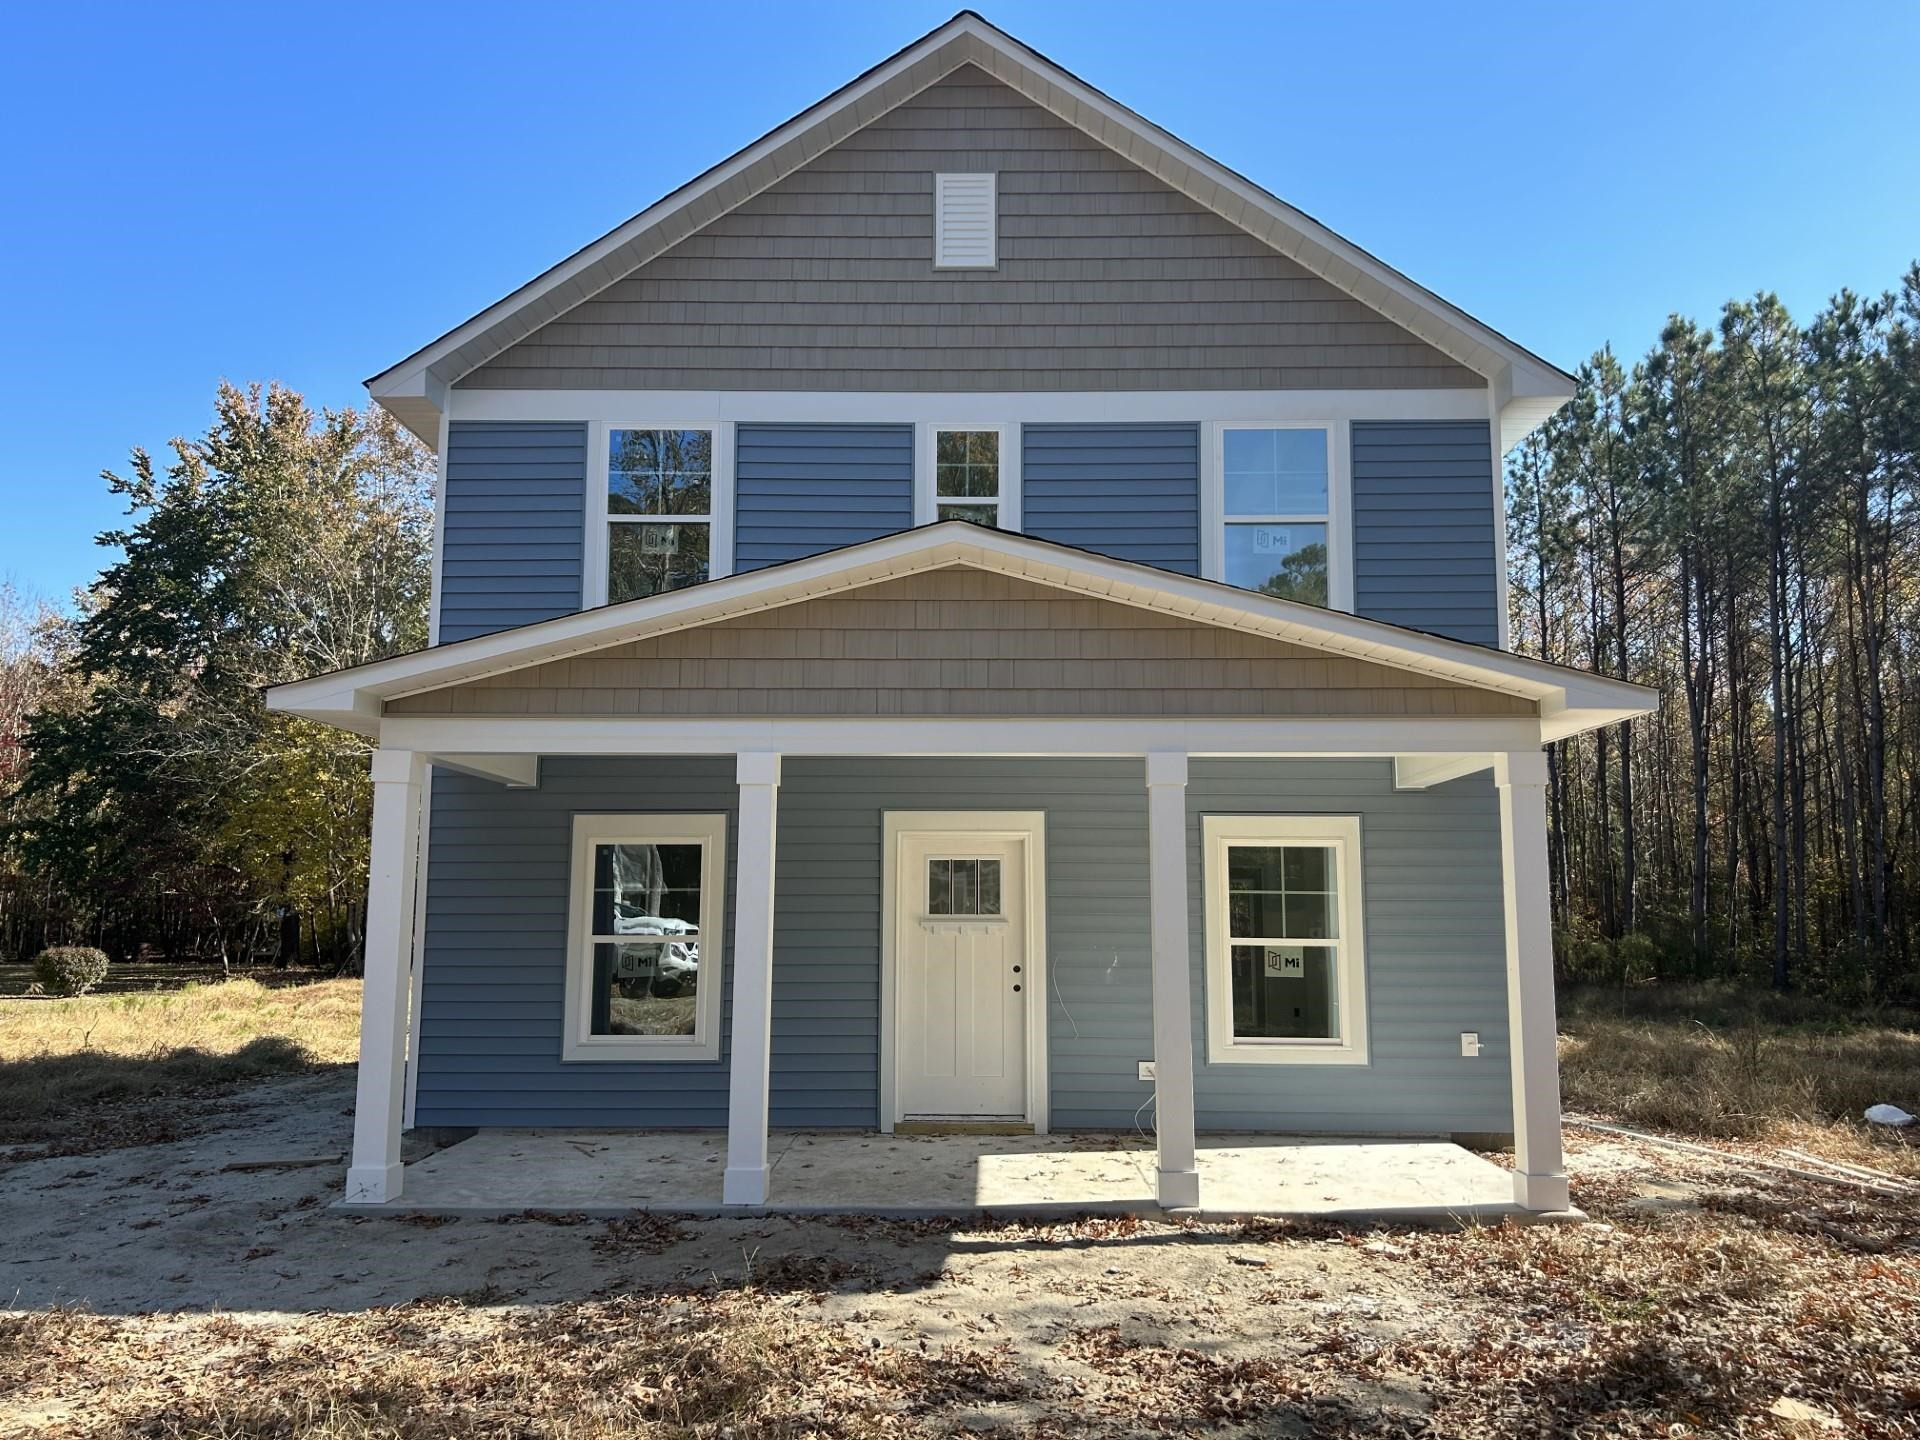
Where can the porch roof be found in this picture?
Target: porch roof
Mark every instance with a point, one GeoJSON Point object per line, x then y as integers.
{"type": "Point", "coordinates": [1568, 701]}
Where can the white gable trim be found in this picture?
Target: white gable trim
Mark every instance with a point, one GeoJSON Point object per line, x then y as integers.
{"type": "Point", "coordinates": [1570, 700]}
{"type": "Point", "coordinates": [1527, 388]}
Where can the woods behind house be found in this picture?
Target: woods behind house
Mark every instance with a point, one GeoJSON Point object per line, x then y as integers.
{"type": "Point", "coordinates": [1729, 518]}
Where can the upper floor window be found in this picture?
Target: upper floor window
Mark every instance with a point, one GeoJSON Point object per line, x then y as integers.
{"type": "Point", "coordinates": [969, 472]}
{"type": "Point", "coordinates": [1276, 505]}
{"type": "Point", "coordinates": [659, 502]}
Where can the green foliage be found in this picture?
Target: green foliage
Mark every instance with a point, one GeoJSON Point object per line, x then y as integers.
{"type": "Point", "coordinates": [69, 969]}
{"type": "Point", "coordinates": [280, 544]}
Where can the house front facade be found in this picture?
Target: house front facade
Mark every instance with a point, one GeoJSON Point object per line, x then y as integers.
{"type": "Point", "coordinates": [968, 612]}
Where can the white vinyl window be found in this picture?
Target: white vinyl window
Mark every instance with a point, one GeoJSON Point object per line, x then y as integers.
{"type": "Point", "coordinates": [1286, 959]}
{"type": "Point", "coordinates": [968, 472]}
{"type": "Point", "coordinates": [643, 937]}
{"type": "Point", "coordinates": [1279, 512]}
{"type": "Point", "coordinates": [653, 515]}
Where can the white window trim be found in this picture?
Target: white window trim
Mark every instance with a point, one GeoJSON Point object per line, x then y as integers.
{"type": "Point", "coordinates": [1338, 519]}
{"type": "Point", "coordinates": [594, 556]}
{"type": "Point", "coordinates": [926, 503]}
{"type": "Point", "coordinates": [708, 831]}
{"type": "Point", "coordinates": [1342, 833]}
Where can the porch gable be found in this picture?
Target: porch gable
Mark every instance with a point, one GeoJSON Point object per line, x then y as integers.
{"type": "Point", "coordinates": [960, 641]}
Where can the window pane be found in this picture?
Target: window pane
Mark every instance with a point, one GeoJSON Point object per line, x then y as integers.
{"type": "Point", "coordinates": [1285, 561]}
{"type": "Point", "coordinates": [1275, 472]}
{"type": "Point", "coordinates": [1311, 917]}
{"type": "Point", "coordinates": [645, 559]}
{"type": "Point", "coordinates": [1285, 992]}
{"type": "Point", "coordinates": [1282, 892]}
{"type": "Point", "coordinates": [1257, 914]}
{"type": "Point", "coordinates": [645, 989]}
{"type": "Point", "coordinates": [988, 515]}
{"type": "Point", "coordinates": [963, 887]}
{"type": "Point", "coordinates": [660, 472]}
{"type": "Point", "coordinates": [646, 890]}
{"type": "Point", "coordinates": [967, 465]}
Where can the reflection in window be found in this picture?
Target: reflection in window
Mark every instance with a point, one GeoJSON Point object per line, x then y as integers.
{"type": "Point", "coordinates": [646, 939]}
{"type": "Point", "coordinates": [963, 887]}
{"type": "Point", "coordinates": [1274, 490]}
{"type": "Point", "coordinates": [659, 510]}
{"type": "Point", "coordinates": [966, 475]}
{"type": "Point", "coordinates": [1283, 930]}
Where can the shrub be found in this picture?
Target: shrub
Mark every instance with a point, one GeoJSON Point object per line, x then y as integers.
{"type": "Point", "coordinates": [69, 969]}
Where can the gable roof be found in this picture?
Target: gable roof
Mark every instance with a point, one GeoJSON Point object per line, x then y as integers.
{"type": "Point", "coordinates": [1571, 701]}
{"type": "Point", "coordinates": [1525, 388]}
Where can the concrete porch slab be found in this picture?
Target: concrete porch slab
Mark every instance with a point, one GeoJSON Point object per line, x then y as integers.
{"type": "Point", "coordinates": [612, 1173]}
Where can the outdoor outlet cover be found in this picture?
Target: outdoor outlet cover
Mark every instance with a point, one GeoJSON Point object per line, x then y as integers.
{"type": "Point", "coordinates": [1146, 1069]}
{"type": "Point", "coordinates": [1469, 1043]}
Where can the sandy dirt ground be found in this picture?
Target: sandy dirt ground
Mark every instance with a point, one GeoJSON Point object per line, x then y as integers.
{"type": "Point", "coordinates": [1099, 1326]}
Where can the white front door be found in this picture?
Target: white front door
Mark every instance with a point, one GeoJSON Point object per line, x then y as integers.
{"type": "Point", "coordinates": [963, 978]}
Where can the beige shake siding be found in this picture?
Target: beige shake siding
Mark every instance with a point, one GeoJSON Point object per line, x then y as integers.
{"type": "Point", "coordinates": [1108, 279]}
{"type": "Point", "coordinates": [957, 642]}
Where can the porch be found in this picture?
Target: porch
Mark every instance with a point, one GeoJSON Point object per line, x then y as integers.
{"type": "Point", "coordinates": [1330, 1178]}
{"type": "Point", "coordinates": [785, 735]}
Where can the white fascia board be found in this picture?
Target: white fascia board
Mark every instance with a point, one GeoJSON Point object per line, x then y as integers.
{"type": "Point", "coordinates": [352, 697]}
{"type": "Point", "coordinates": [1362, 737]}
{"type": "Point", "coordinates": [968, 39]}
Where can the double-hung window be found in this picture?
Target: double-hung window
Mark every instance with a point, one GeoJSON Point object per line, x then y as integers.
{"type": "Point", "coordinates": [1286, 958]}
{"type": "Point", "coordinates": [1276, 492]}
{"type": "Point", "coordinates": [969, 472]}
{"type": "Point", "coordinates": [643, 937]}
{"type": "Point", "coordinates": [659, 510]}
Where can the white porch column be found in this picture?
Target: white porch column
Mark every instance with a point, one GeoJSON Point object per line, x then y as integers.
{"type": "Point", "coordinates": [745, 1182]}
{"type": "Point", "coordinates": [1539, 1173]}
{"type": "Point", "coordinates": [1179, 1179]}
{"type": "Point", "coordinates": [373, 1176]}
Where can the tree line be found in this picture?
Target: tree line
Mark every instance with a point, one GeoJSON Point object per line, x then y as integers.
{"type": "Point", "coordinates": [1731, 519]}
{"type": "Point", "coordinates": [149, 801]}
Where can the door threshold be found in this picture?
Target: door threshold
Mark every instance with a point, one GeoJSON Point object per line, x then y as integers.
{"type": "Point", "coordinates": [962, 1127]}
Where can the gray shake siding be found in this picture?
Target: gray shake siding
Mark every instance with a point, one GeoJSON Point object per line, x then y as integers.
{"type": "Point", "coordinates": [497, 897]}
{"type": "Point", "coordinates": [1129, 491]}
{"type": "Point", "coordinates": [514, 516]}
{"type": "Point", "coordinates": [1108, 279]}
{"type": "Point", "coordinates": [1425, 551]}
{"type": "Point", "coordinates": [802, 489]}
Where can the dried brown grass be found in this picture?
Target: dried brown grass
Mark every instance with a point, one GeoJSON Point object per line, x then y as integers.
{"type": "Point", "coordinates": [1708, 1063]}
{"type": "Point", "coordinates": [62, 1060]}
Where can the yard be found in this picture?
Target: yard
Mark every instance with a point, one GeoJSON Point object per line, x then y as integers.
{"type": "Point", "coordinates": [174, 1270]}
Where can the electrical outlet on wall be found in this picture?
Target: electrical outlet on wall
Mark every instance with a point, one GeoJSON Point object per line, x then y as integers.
{"type": "Point", "coordinates": [1146, 1069]}
{"type": "Point", "coordinates": [1469, 1043]}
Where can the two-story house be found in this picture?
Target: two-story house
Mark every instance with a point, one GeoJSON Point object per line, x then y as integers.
{"type": "Point", "coordinates": [969, 610]}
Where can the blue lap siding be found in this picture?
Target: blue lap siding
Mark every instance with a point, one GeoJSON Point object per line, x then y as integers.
{"type": "Point", "coordinates": [1129, 491]}
{"type": "Point", "coordinates": [513, 523]}
{"type": "Point", "coordinates": [803, 489]}
{"type": "Point", "coordinates": [496, 930]}
{"type": "Point", "coordinates": [1426, 548]}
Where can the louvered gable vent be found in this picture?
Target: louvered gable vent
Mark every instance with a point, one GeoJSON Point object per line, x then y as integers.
{"type": "Point", "coordinates": [964, 222]}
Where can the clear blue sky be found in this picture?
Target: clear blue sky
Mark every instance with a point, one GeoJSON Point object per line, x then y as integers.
{"type": "Point", "coordinates": [310, 192]}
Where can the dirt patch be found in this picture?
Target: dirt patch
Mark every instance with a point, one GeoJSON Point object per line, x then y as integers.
{"type": "Point", "coordinates": [158, 1292]}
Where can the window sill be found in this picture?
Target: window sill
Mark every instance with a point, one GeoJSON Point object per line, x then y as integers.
{"type": "Point", "coordinates": [624, 1050]}
{"type": "Point", "coordinates": [1286, 1054]}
